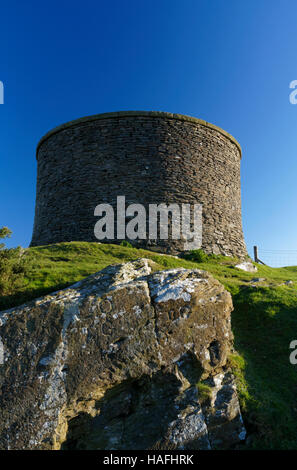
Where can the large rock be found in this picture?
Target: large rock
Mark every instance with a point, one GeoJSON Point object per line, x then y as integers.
{"type": "Point", "coordinates": [113, 362]}
{"type": "Point", "coordinates": [247, 266]}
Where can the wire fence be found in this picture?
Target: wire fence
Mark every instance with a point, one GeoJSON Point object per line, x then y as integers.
{"type": "Point", "coordinates": [275, 258]}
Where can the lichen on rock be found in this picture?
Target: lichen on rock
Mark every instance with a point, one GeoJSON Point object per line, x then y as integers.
{"type": "Point", "coordinates": [113, 362]}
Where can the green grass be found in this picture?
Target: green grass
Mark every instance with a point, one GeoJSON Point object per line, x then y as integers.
{"type": "Point", "coordinates": [204, 391]}
{"type": "Point", "coordinates": [264, 322]}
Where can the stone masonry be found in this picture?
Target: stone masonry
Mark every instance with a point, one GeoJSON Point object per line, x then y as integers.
{"type": "Point", "coordinates": [148, 157]}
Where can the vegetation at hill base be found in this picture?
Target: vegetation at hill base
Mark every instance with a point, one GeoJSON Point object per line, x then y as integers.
{"type": "Point", "coordinates": [12, 268]}
{"type": "Point", "coordinates": [264, 320]}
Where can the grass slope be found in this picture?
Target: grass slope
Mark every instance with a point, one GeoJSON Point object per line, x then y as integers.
{"type": "Point", "coordinates": [264, 323]}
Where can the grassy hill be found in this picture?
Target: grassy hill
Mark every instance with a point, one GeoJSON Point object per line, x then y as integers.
{"type": "Point", "coordinates": [264, 323]}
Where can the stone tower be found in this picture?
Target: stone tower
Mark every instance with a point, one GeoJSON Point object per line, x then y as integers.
{"type": "Point", "coordinates": [148, 157]}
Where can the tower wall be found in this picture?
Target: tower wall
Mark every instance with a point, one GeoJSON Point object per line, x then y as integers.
{"type": "Point", "coordinates": [148, 157]}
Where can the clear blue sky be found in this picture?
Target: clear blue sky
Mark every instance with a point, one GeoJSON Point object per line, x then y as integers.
{"type": "Point", "coordinates": [229, 62]}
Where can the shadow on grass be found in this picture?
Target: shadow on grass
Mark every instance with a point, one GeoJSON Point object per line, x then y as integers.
{"type": "Point", "coordinates": [264, 323]}
{"type": "Point", "coordinates": [22, 297]}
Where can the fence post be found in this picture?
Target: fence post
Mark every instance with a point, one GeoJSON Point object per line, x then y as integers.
{"type": "Point", "coordinates": [256, 254]}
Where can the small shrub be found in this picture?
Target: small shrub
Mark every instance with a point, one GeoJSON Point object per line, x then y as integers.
{"type": "Point", "coordinates": [13, 265]}
{"type": "Point", "coordinates": [126, 243]}
{"type": "Point", "coordinates": [4, 233]}
{"type": "Point", "coordinates": [198, 256]}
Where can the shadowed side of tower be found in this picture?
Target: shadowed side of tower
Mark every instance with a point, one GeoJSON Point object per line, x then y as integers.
{"type": "Point", "coordinates": [148, 157]}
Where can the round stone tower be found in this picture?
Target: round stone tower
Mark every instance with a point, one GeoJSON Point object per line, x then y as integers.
{"type": "Point", "coordinates": [148, 157]}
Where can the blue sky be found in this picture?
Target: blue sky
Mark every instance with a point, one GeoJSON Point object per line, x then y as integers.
{"type": "Point", "coordinates": [226, 61]}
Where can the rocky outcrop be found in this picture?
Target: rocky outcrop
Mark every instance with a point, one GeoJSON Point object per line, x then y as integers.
{"type": "Point", "coordinates": [117, 360]}
{"type": "Point", "coordinates": [247, 266]}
